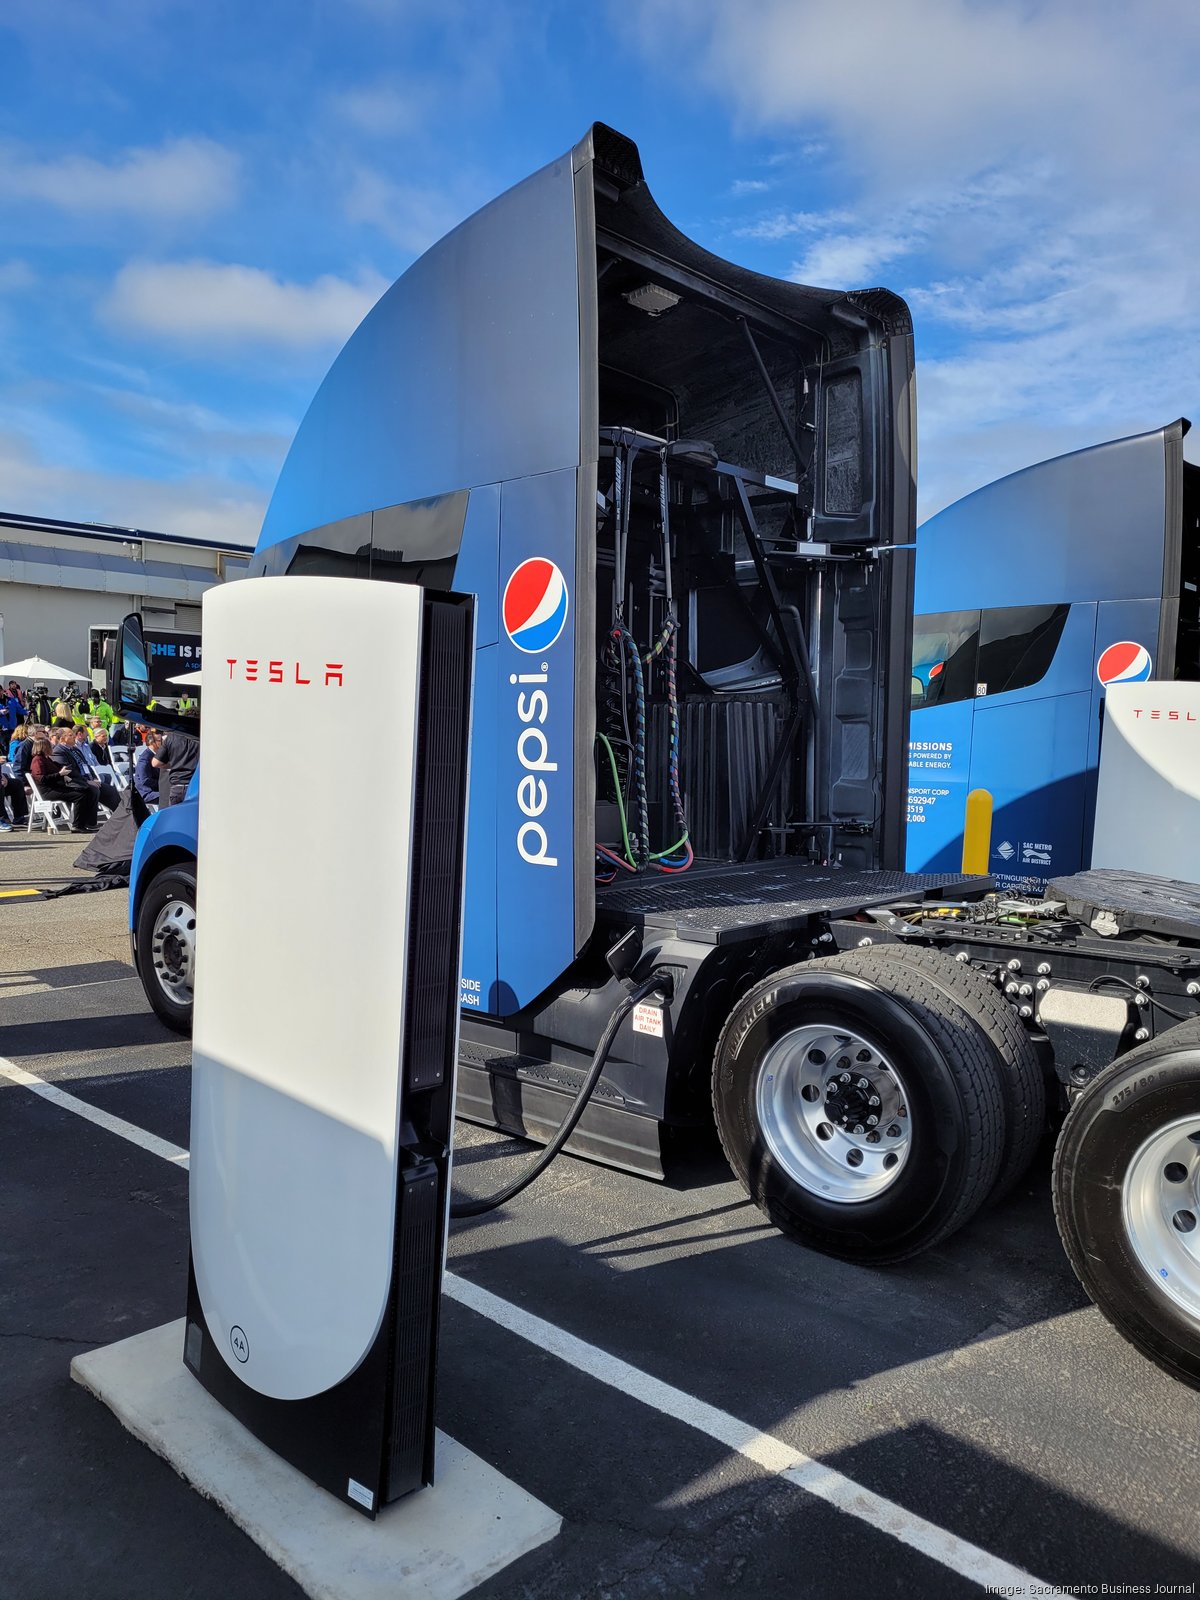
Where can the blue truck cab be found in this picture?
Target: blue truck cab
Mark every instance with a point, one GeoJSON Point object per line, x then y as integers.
{"type": "Point", "coordinates": [1032, 595]}
{"type": "Point", "coordinates": [682, 494]}
{"type": "Point", "coordinates": [574, 412]}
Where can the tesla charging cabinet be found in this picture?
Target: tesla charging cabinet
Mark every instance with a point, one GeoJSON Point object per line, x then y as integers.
{"type": "Point", "coordinates": [1148, 790]}
{"type": "Point", "coordinates": [329, 895]}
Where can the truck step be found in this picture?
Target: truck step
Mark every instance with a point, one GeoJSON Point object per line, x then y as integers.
{"type": "Point", "coordinates": [528, 1069]}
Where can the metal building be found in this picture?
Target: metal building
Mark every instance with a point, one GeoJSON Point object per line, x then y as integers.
{"type": "Point", "coordinates": [60, 580]}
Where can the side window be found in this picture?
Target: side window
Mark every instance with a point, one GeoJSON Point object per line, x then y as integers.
{"type": "Point", "coordinates": [336, 550]}
{"type": "Point", "coordinates": [1017, 645]}
{"type": "Point", "coordinates": [945, 651]}
{"type": "Point", "coordinates": [419, 542]}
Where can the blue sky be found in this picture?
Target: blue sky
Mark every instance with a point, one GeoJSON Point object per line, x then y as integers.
{"type": "Point", "coordinates": [199, 200]}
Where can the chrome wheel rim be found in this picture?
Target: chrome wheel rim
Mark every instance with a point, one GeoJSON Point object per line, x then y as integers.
{"type": "Point", "coordinates": [834, 1113]}
{"type": "Point", "coordinates": [1160, 1207]}
{"type": "Point", "coordinates": [173, 950]}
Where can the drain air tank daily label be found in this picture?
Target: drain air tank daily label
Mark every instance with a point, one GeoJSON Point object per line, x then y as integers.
{"type": "Point", "coordinates": [648, 1018]}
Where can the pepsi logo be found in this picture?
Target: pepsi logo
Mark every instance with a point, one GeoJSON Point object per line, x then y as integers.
{"type": "Point", "coordinates": [535, 605]}
{"type": "Point", "coordinates": [1124, 662]}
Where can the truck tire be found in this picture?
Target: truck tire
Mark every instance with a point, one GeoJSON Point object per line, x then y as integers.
{"type": "Point", "coordinates": [166, 945]}
{"type": "Point", "coordinates": [804, 1062]}
{"type": "Point", "coordinates": [1127, 1197]}
{"type": "Point", "coordinates": [1022, 1081]}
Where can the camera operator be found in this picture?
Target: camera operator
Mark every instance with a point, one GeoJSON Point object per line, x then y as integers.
{"type": "Point", "coordinates": [40, 709]}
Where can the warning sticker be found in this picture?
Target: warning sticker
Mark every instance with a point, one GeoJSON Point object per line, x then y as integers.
{"type": "Point", "coordinates": [648, 1018]}
{"type": "Point", "coordinates": [358, 1491]}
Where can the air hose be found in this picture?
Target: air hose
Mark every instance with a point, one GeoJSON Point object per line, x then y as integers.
{"type": "Point", "coordinates": [476, 1208]}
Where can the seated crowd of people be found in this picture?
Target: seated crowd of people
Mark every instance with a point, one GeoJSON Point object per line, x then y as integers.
{"type": "Point", "coordinates": [67, 747]}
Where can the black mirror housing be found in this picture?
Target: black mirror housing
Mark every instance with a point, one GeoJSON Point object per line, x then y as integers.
{"type": "Point", "coordinates": [129, 681]}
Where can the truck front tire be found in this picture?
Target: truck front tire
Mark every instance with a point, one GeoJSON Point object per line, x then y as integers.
{"type": "Point", "coordinates": [166, 945]}
{"type": "Point", "coordinates": [860, 1105]}
{"type": "Point", "coordinates": [1127, 1197]}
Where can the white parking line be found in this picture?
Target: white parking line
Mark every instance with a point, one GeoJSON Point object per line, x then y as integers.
{"type": "Point", "coordinates": [124, 1130]}
{"type": "Point", "coordinates": [32, 985]}
{"type": "Point", "coordinates": [764, 1449]}
{"type": "Point", "coordinates": [773, 1455]}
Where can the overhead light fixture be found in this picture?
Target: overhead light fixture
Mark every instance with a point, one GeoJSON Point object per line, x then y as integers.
{"type": "Point", "coordinates": [652, 298]}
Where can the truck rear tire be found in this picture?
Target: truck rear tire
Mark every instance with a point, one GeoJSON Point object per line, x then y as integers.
{"type": "Point", "coordinates": [1127, 1197]}
{"type": "Point", "coordinates": [166, 945]}
{"type": "Point", "coordinates": [860, 1105]}
{"type": "Point", "coordinates": [1022, 1081]}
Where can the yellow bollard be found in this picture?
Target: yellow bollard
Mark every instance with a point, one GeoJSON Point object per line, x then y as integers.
{"type": "Point", "coordinates": [977, 832]}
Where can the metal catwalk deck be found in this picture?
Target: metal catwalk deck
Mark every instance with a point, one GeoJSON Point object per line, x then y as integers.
{"type": "Point", "coordinates": [718, 902]}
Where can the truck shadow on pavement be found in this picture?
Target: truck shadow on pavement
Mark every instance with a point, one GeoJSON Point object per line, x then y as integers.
{"type": "Point", "coordinates": [975, 1388]}
{"type": "Point", "coordinates": [968, 1386]}
{"type": "Point", "coordinates": [663, 1510]}
{"type": "Point", "coordinates": [67, 977]}
{"type": "Point", "coordinates": [61, 1036]}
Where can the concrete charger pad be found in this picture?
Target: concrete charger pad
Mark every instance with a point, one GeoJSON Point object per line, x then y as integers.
{"type": "Point", "coordinates": [437, 1543]}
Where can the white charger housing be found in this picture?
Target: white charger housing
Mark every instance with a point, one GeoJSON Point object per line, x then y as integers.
{"type": "Point", "coordinates": [329, 891]}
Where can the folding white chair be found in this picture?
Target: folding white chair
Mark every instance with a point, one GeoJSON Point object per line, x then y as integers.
{"type": "Point", "coordinates": [103, 812]}
{"type": "Point", "coordinates": [51, 812]}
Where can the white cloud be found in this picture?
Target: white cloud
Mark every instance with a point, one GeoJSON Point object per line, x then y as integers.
{"type": "Point", "coordinates": [198, 505]}
{"type": "Point", "coordinates": [1001, 404]}
{"type": "Point", "coordinates": [849, 258]}
{"type": "Point", "coordinates": [1027, 175]}
{"type": "Point", "coordinates": [198, 302]}
{"type": "Point", "coordinates": [411, 216]}
{"type": "Point", "coordinates": [851, 248]}
{"type": "Point", "coordinates": [745, 186]}
{"type": "Point", "coordinates": [190, 432]}
{"type": "Point", "coordinates": [384, 108]}
{"type": "Point", "coordinates": [950, 85]}
{"type": "Point", "coordinates": [182, 178]}
{"type": "Point", "coordinates": [786, 224]}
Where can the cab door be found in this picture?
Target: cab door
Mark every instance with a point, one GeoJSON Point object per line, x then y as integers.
{"type": "Point", "coordinates": [940, 732]}
{"type": "Point", "coordinates": [1031, 738]}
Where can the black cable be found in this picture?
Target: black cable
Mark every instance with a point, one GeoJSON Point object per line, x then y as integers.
{"type": "Point", "coordinates": [1113, 977]}
{"type": "Point", "coordinates": [664, 513]}
{"type": "Point", "coordinates": [476, 1208]}
{"type": "Point", "coordinates": [618, 533]}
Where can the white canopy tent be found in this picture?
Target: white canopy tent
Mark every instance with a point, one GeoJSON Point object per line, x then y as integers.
{"type": "Point", "coordinates": [36, 670]}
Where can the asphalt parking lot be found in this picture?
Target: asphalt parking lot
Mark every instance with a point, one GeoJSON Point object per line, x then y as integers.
{"type": "Point", "coordinates": [975, 1390]}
